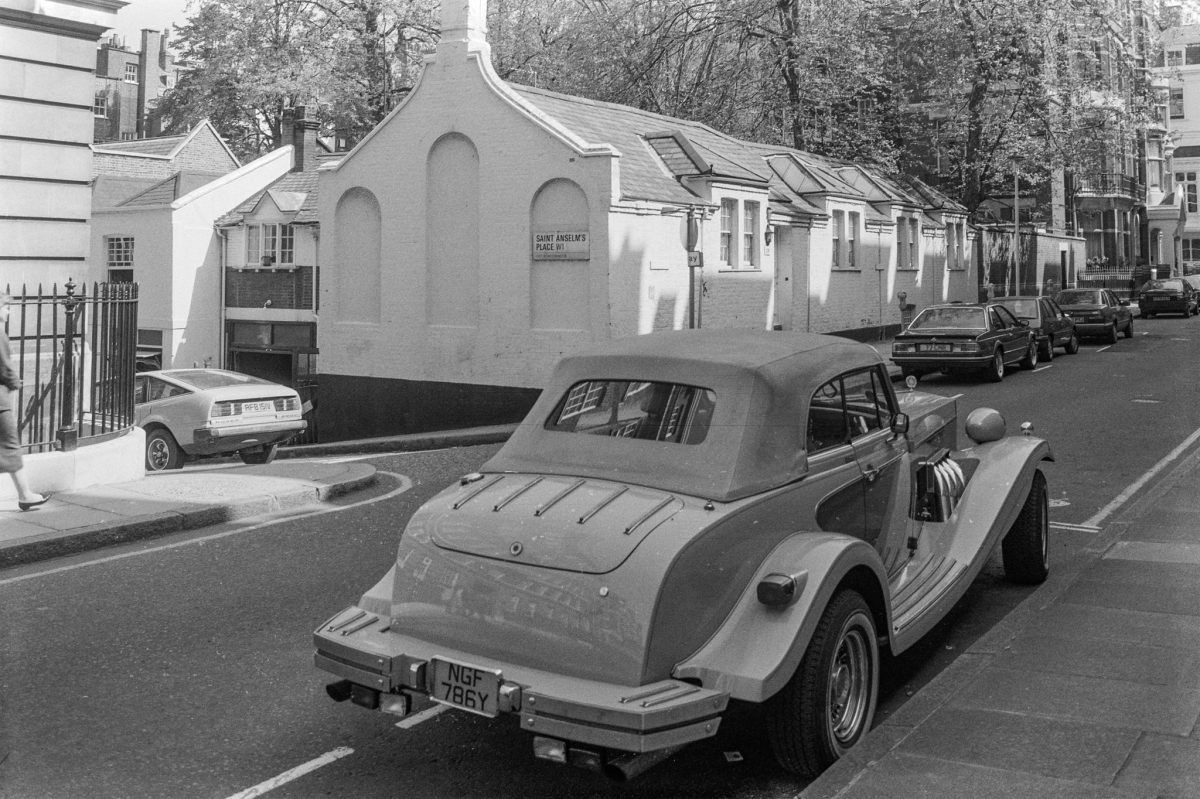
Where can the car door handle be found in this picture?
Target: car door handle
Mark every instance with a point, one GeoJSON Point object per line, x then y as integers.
{"type": "Point", "coordinates": [871, 473]}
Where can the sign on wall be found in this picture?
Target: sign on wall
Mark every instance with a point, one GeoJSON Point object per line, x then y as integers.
{"type": "Point", "coordinates": [561, 245]}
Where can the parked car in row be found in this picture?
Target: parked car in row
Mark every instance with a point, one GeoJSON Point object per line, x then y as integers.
{"type": "Point", "coordinates": [960, 337]}
{"type": "Point", "coordinates": [1170, 295]}
{"type": "Point", "coordinates": [187, 413]}
{"type": "Point", "coordinates": [1097, 312]}
{"type": "Point", "coordinates": [1051, 327]}
{"type": "Point", "coordinates": [689, 518]}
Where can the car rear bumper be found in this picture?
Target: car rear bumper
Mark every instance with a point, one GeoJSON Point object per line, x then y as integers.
{"type": "Point", "coordinates": [947, 360]}
{"type": "Point", "coordinates": [360, 647]}
{"type": "Point", "coordinates": [1164, 306]}
{"type": "Point", "coordinates": [1093, 328]}
{"type": "Point", "coordinates": [215, 441]}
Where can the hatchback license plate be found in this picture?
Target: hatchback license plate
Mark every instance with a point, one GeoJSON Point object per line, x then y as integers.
{"type": "Point", "coordinates": [265, 406]}
{"type": "Point", "coordinates": [466, 687]}
{"type": "Point", "coordinates": [934, 348]}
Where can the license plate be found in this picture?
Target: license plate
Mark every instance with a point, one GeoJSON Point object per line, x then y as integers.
{"type": "Point", "coordinates": [265, 406]}
{"type": "Point", "coordinates": [934, 348]}
{"type": "Point", "coordinates": [466, 687]}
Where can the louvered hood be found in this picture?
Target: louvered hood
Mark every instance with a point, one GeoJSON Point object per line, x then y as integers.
{"type": "Point", "coordinates": [575, 524]}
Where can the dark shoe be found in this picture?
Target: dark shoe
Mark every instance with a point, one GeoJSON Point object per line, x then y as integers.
{"type": "Point", "coordinates": [28, 505]}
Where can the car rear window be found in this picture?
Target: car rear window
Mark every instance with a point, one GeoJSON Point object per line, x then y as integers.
{"type": "Point", "coordinates": [1170, 285]}
{"type": "Point", "coordinates": [212, 378]}
{"type": "Point", "coordinates": [935, 318]}
{"type": "Point", "coordinates": [1024, 309]}
{"type": "Point", "coordinates": [647, 410]}
{"type": "Point", "coordinates": [1078, 297]}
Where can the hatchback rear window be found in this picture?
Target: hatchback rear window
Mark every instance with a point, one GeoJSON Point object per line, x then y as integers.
{"type": "Point", "coordinates": [213, 378]}
{"type": "Point", "coordinates": [647, 410]}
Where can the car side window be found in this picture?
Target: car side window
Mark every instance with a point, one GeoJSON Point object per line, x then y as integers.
{"type": "Point", "coordinates": [160, 389]}
{"type": "Point", "coordinates": [997, 321]}
{"type": "Point", "coordinates": [862, 403]}
{"type": "Point", "coordinates": [140, 390]}
{"type": "Point", "coordinates": [1006, 317]}
{"type": "Point", "coordinates": [826, 418]}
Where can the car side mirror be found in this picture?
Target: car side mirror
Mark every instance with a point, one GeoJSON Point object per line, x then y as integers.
{"type": "Point", "coordinates": [900, 424]}
{"type": "Point", "coordinates": [1124, 302]}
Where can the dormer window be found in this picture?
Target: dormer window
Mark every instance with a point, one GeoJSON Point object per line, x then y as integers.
{"type": "Point", "coordinates": [269, 245]}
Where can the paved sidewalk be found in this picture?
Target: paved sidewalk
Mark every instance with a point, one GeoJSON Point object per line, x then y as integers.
{"type": "Point", "coordinates": [168, 502]}
{"type": "Point", "coordinates": [1090, 688]}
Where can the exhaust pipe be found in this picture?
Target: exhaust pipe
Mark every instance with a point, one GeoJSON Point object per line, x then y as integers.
{"type": "Point", "coordinates": [624, 768]}
{"type": "Point", "coordinates": [339, 691]}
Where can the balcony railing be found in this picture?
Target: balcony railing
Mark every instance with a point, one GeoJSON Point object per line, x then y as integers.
{"type": "Point", "coordinates": [1108, 184]}
{"type": "Point", "coordinates": [74, 355]}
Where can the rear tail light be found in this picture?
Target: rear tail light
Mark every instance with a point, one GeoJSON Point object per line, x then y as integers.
{"type": "Point", "coordinates": [221, 409]}
{"type": "Point", "coordinates": [967, 346]}
{"type": "Point", "coordinates": [287, 404]}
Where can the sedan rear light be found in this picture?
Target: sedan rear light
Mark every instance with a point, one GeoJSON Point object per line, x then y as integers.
{"type": "Point", "coordinates": [901, 347]}
{"type": "Point", "coordinates": [967, 346]}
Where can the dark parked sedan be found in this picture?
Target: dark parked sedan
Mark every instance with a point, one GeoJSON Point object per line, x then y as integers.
{"type": "Point", "coordinates": [1172, 295]}
{"type": "Point", "coordinates": [964, 337]}
{"type": "Point", "coordinates": [1097, 312]}
{"type": "Point", "coordinates": [1050, 325]}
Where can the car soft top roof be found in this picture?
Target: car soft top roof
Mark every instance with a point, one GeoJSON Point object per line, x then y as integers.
{"type": "Point", "coordinates": [763, 381]}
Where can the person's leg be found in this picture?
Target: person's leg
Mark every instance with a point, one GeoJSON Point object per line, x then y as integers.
{"type": "Point", "coordinates": [22, 486]}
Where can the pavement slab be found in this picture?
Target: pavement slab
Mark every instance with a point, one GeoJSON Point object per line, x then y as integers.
{"type": "Point", "coordinates": [1138, 585]}
{"type": "Point", "coordinates": [1137, 663]}
{"type": "Point", "coordinates": [1067, 750]}
{"type": "Point", "coordinates": [1165, 764]}
{"type": "Point", "coordinates": [1069, 622]}
{"type": "Point", "coordinates": [1169, 709]}
{"type": "Point", "coordinates": [904, 775]}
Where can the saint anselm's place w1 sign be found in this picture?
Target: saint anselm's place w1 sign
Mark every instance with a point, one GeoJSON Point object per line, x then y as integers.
{"type": "Point", "coordinates": [561, 245]}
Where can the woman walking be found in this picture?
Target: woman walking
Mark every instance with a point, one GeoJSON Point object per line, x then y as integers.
{"type": "Point", "coordinates": [10, 447]}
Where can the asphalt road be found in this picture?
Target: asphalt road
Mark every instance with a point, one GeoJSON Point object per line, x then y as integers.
{"type": "Point", "coordinates": [182, 667]}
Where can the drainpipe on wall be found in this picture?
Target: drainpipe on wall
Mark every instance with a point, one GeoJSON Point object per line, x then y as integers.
{"type": "Point", "coordinates": [224, 237]}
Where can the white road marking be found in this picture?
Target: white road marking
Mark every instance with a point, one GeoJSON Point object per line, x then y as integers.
{"type": "Point", "coordinates": [1102, 349]}
{"type": "Point", "coordinates": [1133, 487]}
{"type": "Point", "coordinates": [405, 485]}
{"type": "Point", "coordinates": [291, 774]}
{"type": "Point", "coordinates": [424, 715]}
{"type": "Point", "coordinates": [1148, 401]}
{"type": "Point", "coordinates": [1043, 368]}
{"type": "Point", "coordinates": [1079, 528]}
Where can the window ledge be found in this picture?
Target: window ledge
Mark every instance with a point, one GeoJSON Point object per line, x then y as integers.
{"type": "Point", "coordinates": [852, 269]}
{"type": "Point", "coordinates": [736, 269]}
{"type": "Point", "coordinates": [281, 268]}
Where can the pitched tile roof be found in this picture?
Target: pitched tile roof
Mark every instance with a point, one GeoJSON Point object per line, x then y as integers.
{"type": "Point", "coordinates": [639, 135]}
{"type": "Point", "coordinates": [112, 190]}
{"type": "Point", "coordinates": [160, 145]}
{"type": "Point", "coordinates": [167, 191]}
{"type": "Point", "coordinates": [293, 192]}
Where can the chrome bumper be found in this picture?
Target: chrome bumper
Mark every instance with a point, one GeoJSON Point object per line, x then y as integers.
{"type": "Point", "coordinates": [360, 647]}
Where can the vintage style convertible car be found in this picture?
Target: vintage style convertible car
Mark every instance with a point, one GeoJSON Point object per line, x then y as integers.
{"type": "Point", "coordinates": [685, 519]}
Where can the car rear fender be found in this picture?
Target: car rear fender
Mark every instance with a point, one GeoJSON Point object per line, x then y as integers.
{"type": "Point", "coordinates": [758, 647]}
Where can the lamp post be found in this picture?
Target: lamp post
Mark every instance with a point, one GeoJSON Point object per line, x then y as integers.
{"type": "Point", "coordinates": [1016, 248]}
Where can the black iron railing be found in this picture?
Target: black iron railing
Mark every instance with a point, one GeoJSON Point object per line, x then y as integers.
{"type": "Point", "coordinates": [75, 356]}
{"type": "Point", "coordinates": [1108, 184]}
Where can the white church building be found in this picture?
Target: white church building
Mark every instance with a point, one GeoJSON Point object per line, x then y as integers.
{"type": "Point", "coordinates": [483, 230]}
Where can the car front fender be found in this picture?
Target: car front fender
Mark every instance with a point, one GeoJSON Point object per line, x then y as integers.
{"type": "Point", "coordinates": [758, 647]}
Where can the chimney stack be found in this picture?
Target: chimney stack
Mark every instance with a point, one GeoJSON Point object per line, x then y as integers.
{"type": "Point", "coordinates": [303, 132]}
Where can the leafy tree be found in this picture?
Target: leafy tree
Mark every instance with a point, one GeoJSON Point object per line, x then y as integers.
{"type": "Point", "coordinates": [246, 61]}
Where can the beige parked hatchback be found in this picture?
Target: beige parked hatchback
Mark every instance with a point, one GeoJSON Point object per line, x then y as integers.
{"type": "Point", "coordinates": [188, 413]}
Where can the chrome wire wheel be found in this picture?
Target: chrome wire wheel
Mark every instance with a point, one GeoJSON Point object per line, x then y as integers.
{"type": "Point", "coordinates": [849, 693]}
